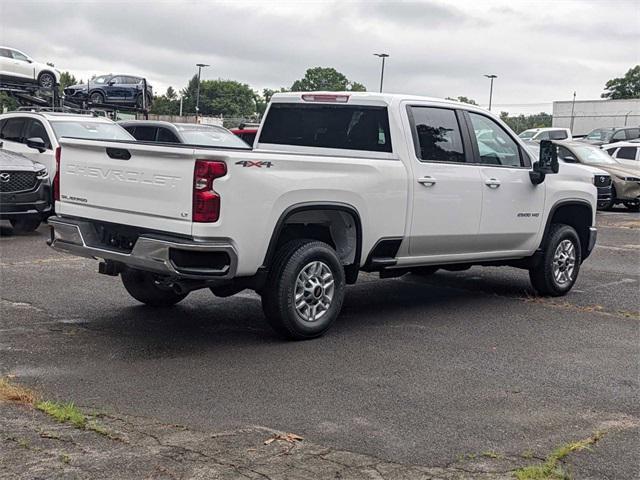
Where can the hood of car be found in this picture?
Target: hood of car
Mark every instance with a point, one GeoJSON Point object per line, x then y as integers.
{"type": "Point", "coordinates": [15, 161]}
{"type": "Point", "coordinates": [621, 170]}
{"type": "Point", "coordinates": [79, 86]}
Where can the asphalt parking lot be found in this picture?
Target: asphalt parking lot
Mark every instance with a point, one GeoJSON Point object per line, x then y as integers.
{"type": "Point", "coordinates": [419, 371]}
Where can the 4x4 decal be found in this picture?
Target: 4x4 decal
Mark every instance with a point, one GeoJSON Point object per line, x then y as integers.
{"type": "Point", "coordinates": [250, 163]}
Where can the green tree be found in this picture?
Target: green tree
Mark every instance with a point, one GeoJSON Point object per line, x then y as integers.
{"type": "Point", "coordinates": [220, 97]}
{"type": "Point", "coordinates": [167, 104]}
{"type": "Point", "coordinates": [524, 122]}
{"type": "Point", "coordinates": [463, 100]}
{"type": "Point", "coordinates": [263, 100]}
{"type": "Point", "coordinates": [328, 79]}
{"type": "Point", "coordinates": [7, 102]}
{"type": "Point", "coordinates": [627, 86]}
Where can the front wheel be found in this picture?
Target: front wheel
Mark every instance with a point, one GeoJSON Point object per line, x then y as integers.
{"type": "Point", "coordinates": [304, 291]}
{"type": "Point", "coordinates": [96, 97]}
{"type": "Point", "coordinates": [148, 289]}
{"type": "Point", "coordinates": [25, 224]}
{"type": "Point", "coordinates": [558, 269]}
{"type": "Point", "coordinates": [634, 207]}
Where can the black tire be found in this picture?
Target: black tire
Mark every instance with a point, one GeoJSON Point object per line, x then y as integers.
{"type": "Point", "coordinates": [144, 287]}
{"type": "Point", "coordinates": [25, 224]}
{"type": "Point", "coordinates": [542, 275]}
{"type": "Point", "coordinates": [425, 271]}
{"type": "Point", "coordinates": [278, 295]}
{"type": "Point", "coordinates": [46, 80]}
{"type": "Point", "coordinates": [634, 207]}
{"type": "Point", "coordinates": [96, 97]}
{"type": "Point", "coordinates": [139, 101]}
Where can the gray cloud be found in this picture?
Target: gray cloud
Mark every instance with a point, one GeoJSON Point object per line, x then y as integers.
{"type": "Point", "coordinates": [540, 52]}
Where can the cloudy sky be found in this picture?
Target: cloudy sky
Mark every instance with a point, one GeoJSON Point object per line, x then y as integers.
{"type": "Point", "coordinates": [540, 50]}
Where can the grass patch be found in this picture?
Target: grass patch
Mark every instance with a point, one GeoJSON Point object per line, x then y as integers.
{"type": "Point", "coordinates": [63, 412]}
{"type": "Point", "coordinates": [552, 468]}
{"type": "Point", "coordinates": [491, 454]}
{"type": "Point", "coordinates": [10, 392]}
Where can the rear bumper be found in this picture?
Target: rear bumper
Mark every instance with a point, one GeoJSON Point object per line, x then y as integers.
{"type": "Point", "coordinates": [163, 254]}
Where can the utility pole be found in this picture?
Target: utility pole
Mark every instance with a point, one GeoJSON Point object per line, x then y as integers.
{"type": "Point", "coordinates": [181, 105]}
{"type": "Point", "coordinates": [491, 77]}
{"type": "Point", "coordinates": [573, 107]}
{"type": "Point", "coordinates": [200, 67]}
{"type": "Point", "coordinates": [382, 56]}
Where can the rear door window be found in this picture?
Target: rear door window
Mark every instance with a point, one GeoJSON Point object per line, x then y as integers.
{"type": "Point", "coordinates": [627, 153]}
{"type": "Point", "coordinates": [558, 135]}
{"type": "Point", "coordinates": [167, 136]}
{"type": "Point", "coordinates": [12, 130]}
{"type": "Point", "coordinates": [348, 127]}
{"type": "Point", "coordinates": [145, 133]}
{"type": "Point", "coordinates": [436, 135]}
{"type": "Point", "coordinates": [633, 133]}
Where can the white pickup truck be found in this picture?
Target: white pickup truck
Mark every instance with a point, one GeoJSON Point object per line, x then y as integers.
{"type": "Point", "coordinates": [335, 183]}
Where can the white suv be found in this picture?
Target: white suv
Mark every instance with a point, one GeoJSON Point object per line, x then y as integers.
{"type": "Point", "coordinates": [547, 133]}
{"type": "Point", "coordinates": [36, 134]}
{"type": "Point", "coordinates": [17, 66]}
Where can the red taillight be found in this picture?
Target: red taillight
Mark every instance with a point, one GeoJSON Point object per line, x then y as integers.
{"type": "Point", "coordinates": [206, 202]}
{"type": "Point", "coordinates": [56, 177]}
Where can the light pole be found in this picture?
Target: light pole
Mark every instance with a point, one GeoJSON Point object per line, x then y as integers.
{"type": "Point", "coordinates": [491, 77]}
{"type": "Point", "coordinates": [382, 56]}
{"type": "Point", "coordinates": [573, 109]}
{"type": "Point", "coordinates": [200, 66]}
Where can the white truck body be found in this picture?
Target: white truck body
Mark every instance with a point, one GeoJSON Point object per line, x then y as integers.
{"type": "Point", "coordinates": [384, 210]}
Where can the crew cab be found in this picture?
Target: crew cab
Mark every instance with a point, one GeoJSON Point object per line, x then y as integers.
{"type": "Point", "coordinates": [336, 183]}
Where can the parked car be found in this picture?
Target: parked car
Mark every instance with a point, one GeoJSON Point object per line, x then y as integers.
{"type": "Point", "coordinates": [338, 182]}
{"type": "Point", "coordinates": [16, 66]}
{"type": "Point", "coordinates": [626, 180]}
{"type": "Point", "coordinates": [25, 191]}
{"type": "Point", "coordinates": [626, 153]}
{"type": "Point", "coordinates": [37, 134]}
{"type": "Point", "coordinates": [601, 179]}
{"type": "Point", "coordinates": [246, 133]}
{"type": "Point", "coordinates": [111, 89]}
{"type": "Point", "coordinates": [547, 133]}
{"type": "Point", "coordinates": [602, 136]}
{"type": "Point", "coordinates": [189, 133]}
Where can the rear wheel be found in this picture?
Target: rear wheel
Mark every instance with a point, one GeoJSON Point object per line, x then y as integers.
{"type": "Point", "coordinates": [25, 224]}
{"type": "Point", "coordinates": [148, 288]}
{"type": "Point", "coordinates": [558, 269]}
{"type": "Point", "coordinates": [304, 291]}
{"type": "Point", "coordinates": [634, 207]}
{"type": "Point", "coordinates": [139, 101]}
{"type": "Point", "coordinates": [46, 80]}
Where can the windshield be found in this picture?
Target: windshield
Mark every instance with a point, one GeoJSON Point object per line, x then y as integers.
{"type": "Point", "coordinates": [210, 136]}
{"type": "Point", "coordinates": [90, 130]}
{"type": "Point", "coordinates": [600, 134]}
{"type": "Point", "coordinates": [593, 156]}
{"type": "Point", "coordinates": [102, 79]}
{"type": "Point", "coordinates": [527, 134]}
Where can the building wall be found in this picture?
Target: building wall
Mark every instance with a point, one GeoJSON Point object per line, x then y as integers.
{"type": "Point", "coordinates": [590, 114]}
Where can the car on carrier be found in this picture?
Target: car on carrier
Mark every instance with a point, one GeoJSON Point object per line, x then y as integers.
{"type": "Point", "coordinates": [37, 135]}
{"type": "Point", "coordinates": [122, 90]}
{"type": "Point", "coordinates": [185, 133]}
{"type": "Point", "coordinates": [337, 183]}
{"type": "Point", "coordinates": [25, 191]}
{"type": "Point", "coordinates": [18, 67]}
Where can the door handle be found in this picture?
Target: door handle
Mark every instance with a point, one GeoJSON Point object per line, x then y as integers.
{"type": "Point", "coordinates": [492, 183]}
{"type": "Point", "coordinates": [427, 181]}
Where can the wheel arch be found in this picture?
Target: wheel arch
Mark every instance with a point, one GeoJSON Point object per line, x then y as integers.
{"type": "Point", "coordinates": [575, 213]}
{"type": "Point", "coordinates": [297, 221]}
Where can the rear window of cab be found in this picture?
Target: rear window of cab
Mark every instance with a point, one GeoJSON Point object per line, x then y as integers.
{"type": "Point", "coordinates": [347, 127]}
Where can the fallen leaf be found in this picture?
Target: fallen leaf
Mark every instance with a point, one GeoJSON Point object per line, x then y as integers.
{"type": "Point", "coordinates": [287, 437]}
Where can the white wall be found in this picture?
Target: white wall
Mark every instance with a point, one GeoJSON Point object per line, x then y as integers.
{"type": "Point", "coordinates": [590, 114]}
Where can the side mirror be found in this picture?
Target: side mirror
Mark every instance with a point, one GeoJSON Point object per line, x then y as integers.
{"type": "Point", "coordinates": [111, 83]}
{"type": "Point", "coordinates": [37, 143]}
{"type": "Point", "coordinates": [547, 163]}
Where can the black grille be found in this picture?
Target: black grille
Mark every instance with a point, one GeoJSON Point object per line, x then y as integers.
{"type": "Point", "coordinates": [602, 180]}
{"type": "Point", "coordinates": [17, 181]}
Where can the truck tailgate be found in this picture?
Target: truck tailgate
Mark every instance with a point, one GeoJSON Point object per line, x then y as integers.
{"type": "Point", "coordinates": [134, 183]}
